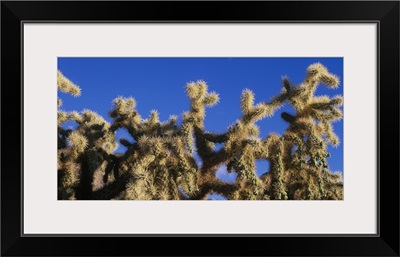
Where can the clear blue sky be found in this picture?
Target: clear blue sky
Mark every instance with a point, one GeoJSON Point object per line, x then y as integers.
{"type": "Point", "coordinates": [159, 83]}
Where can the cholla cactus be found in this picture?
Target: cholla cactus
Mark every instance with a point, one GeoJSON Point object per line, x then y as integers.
{"type": "Point", "coordinates": [160, 163]}
{"type": "Point", "coordinates": [310, 131]}
{"type": "Point", "coordinates": [67, 167]}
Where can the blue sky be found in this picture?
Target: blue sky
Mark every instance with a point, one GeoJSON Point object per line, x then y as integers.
{"type": "Point", "coordinates": [159, 83]}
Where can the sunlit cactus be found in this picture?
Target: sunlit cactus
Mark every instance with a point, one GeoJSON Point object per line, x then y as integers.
{"type": "Point", "coordinates": [165, 160]}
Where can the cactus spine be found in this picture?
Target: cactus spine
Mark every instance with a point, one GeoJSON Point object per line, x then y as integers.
{"type": "Point", "coordinates": [160, 163]}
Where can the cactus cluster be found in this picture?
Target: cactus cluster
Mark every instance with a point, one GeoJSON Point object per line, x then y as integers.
{"type": "Point", "coordinates": [160, 162]}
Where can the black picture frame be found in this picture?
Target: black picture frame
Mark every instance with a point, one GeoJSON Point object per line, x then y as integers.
{"type": "Point", "coordinates": [383, 13]}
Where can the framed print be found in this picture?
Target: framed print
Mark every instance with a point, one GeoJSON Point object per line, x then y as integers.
{"type": "Point", "coordinates": [264, 123]}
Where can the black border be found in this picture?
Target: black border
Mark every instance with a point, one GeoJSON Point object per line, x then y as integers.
{"type": "Point", "coordinates": [385, 14]}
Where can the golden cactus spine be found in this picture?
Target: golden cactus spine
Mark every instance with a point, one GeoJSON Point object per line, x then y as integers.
{"type": "Point", "coordinates": [160, 163]}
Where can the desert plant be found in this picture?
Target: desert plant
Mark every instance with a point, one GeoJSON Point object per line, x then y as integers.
{"type": "Point", "coordinates": [160, 163]}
